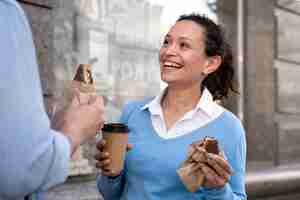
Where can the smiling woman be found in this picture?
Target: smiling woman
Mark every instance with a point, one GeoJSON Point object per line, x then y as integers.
{"type": "Point", "coordinates": [173, 9]}
{"type": "Point", "coordinates": [199, 45]}
{"type": "Point", "coordinates": [196, 63]}
{"type": "Point", "coordinates": [182, 56]}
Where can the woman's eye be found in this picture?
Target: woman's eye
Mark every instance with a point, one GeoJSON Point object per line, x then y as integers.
{"type": "Point", "coordinates": [165, 42]}
{"type": "Point", "coordinates": [184, 45]}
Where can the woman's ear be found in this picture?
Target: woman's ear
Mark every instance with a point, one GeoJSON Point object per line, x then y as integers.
{"type": "Point", "coordinates": [213, 63]}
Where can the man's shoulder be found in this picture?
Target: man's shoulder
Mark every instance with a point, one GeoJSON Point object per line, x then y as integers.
{"type": "Point", "coordinates": [13, 10]}
{"type": "Point", "coordinates": [13, 4]}
{"type": "Point", "coordinates": [10, 2]}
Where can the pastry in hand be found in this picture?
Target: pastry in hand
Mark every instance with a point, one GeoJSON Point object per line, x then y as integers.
{"type": "Point", "coordinates": [84, 74]}
{"type": "Point", "coordinates": [197, 152]}
{"type": "Point", "coordinates": [211, 145]}
{"type": "Point", "coordinates": [84, 77]}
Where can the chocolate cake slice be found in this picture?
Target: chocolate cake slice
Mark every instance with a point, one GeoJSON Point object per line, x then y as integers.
{"type": "Point", "coordinates": [85, 79]}
{"type": "Point", "coordinates": [84, 74]}
{"type": "Point", "coordinates": [211, 145]}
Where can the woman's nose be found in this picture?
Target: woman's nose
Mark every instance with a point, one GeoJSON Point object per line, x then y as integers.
{"type": "Point", "coordinates": [171, 50]}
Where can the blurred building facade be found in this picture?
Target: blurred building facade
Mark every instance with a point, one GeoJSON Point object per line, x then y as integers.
{"type": "Point", "coordinates": [270, 70]}
{"type": "Point", "coordinates": [271, 100]}
{"type": "Point", "coordinates": [122, 38]}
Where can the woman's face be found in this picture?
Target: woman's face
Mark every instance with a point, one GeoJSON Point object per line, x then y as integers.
{"type": "Point", "coordinates": [182, 55]}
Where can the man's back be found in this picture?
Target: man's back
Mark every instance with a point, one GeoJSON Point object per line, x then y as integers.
{"type": "Point", "coordinates": [32, 155]}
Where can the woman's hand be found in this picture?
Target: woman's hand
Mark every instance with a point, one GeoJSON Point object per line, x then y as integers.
{"type": "Point", "coordinates": [216, 170]}
{"type": "Point", "coordinates": [103, 158]}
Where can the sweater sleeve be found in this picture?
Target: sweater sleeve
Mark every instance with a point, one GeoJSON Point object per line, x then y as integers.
{"type": "Point", "coordinates": [111, 188]}
{"type": "Point", "coordinates": [235, 188]}
{"type": "Point", "coordinates": [33, 157]}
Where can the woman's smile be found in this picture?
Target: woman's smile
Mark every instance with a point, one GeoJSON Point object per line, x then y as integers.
{"type": "Point", "coordinates": [172, 64]}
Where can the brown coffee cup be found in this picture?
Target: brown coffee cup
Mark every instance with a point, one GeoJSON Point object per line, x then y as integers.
{"type": "Point", "coordinates": [116, 137]}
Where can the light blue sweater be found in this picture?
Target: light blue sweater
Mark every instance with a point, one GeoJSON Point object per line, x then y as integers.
{"type": "Point", "coordinates": [150, 167]}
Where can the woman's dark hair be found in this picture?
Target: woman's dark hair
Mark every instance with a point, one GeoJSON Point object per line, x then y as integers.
{"type": "Point", "coordinates": [220, 82]}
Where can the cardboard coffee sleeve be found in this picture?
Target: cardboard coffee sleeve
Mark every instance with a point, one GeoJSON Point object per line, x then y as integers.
{"type": "Point", "coordinates": [116, 137]}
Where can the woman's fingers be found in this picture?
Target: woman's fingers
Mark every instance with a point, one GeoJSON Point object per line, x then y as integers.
{"type": "Point", "coordinates": [219, 164]}
{"type": "Point", "coordinates": [103, 160]}
{"type": "Point", "coordinates": [199, 155]}
{"type": "Point", "coordinates": [104, 164]}
{"type": "Point", "coordinates": [210, 176]}
{"type": "Point", "coordinates": [219, 170]}
{"type": "Point", "coordinates": [191, 150]}
{"type": "Point", "coordinates": [212, 179]}
{"type": "Point", "coordinates": [102, 156]}
{"type": "Point", "coordinates": [216, 170]}
{"type": "Point", "coordinates": [101, 144]}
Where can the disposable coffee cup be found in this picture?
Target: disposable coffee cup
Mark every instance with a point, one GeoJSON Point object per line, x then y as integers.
{"type": "Point", "coordinates": [116, 137]}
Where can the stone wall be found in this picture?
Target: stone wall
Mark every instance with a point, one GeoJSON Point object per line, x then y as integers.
{"type": "Point", "coordinates": [227, 10]}
{"type": "Point", "coordinates": [259, 76]}
{"type": "Point", "coordinates": [271, 102]}
{"type": "Point", "coordinates": [39, 16]}
{"type": "Point", "coordinates": [260, 82]}
{"type": "Point", "coordinates": [287, 63]}
{"type": "Point", "coordinates": [281, 197]}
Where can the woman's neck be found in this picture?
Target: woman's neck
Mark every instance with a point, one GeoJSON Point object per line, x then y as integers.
{"type": "Point", "coordinates": [177, 101]}
{"type": "Point", "coordinates": [181, 99]}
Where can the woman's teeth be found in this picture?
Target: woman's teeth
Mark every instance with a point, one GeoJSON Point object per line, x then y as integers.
{"type": "Point", "coordinates": [171, 64]}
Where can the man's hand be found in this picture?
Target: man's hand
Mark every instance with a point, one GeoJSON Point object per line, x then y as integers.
{"type": "Point", "coordinates": [81, 120]}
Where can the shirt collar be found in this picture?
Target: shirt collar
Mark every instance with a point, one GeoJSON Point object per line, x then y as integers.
{"type": "Point", "coordinates": [154, 105]}
{"type": "Point", "coordinates": [205, 103]}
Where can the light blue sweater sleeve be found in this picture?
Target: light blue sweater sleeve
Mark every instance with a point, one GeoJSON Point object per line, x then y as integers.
{"type": "Point", "coordinates": [33, 157]}
{"type": "Point", "coordinates": [235, 189]}
{"type": "Point", "coordinates": [111, 188]}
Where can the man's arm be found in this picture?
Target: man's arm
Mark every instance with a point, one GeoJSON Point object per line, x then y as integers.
{"type": "Point", "coordinates": [32, 155]}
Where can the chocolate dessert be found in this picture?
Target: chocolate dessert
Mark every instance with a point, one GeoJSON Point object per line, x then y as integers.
{"type": "Point", "coordinates": [84, 74]}
{"type": "Point", "coordinates": [197, 152]}
{"type": "Point", "coordinates": [85, 79]}
{"type": "Point", "coordinates": [211, 145]}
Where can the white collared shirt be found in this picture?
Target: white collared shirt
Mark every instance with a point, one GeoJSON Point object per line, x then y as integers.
{"type": "Point", "coordinates": [205, 111]}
